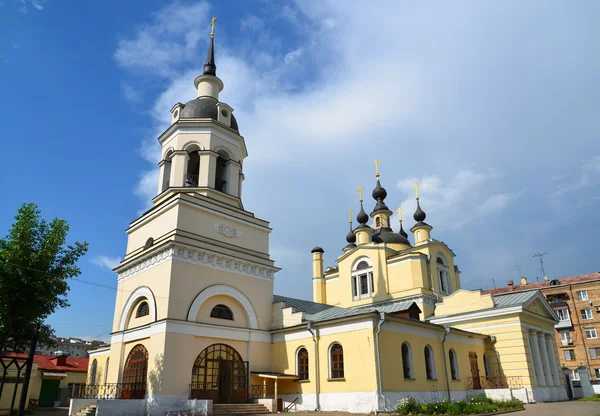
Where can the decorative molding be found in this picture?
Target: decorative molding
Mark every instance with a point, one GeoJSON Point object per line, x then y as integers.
{"type": "Point", "coordinates": [140, 292]}
{"type": "Point", "coordinates": [201, 257]}
{"type": "Point", "coordinates": [225, 290]}
{"type": "Point", "coordinates": [227, 231]}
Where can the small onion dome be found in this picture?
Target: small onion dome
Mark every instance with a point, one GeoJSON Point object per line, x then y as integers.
{"type": "Point", "coordinates": [379, 192]}
{"type": "Point", "coordinates": [402, 232]}
{"type": "Point", "coordinates": [390, 237]}
{"type": "Point", "coordinates": [351, 237]}
{"type": "Point", "coordinates": [362, 216]}
{"type": "Point", "coordinates": [317, 250]}
{"type": "Point", "coordinates": [419, 213]}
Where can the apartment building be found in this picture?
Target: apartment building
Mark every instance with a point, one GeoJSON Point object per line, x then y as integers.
{"type": "Point", "coordinates": [576, 300]}
{"type": "Point", "coordinates": [71, 347]}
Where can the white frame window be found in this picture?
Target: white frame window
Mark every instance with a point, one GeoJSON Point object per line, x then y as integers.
{"type": "Point", "coordinates": [582, 295]}
{"type": "Point", "coordinates": [597, 372]}
{"type": "Point", "coordinates": [586, 314]}
{"type": "Point", "coordinates": [563, 314]}
{"type": "Point", "coordinates": [595, 352]}
{"type": "Point", "coordinates": [363, 286]}
{"type": "Point", "coordinates": [443, 274]}
{"type": "Point", "coordinates": [591, 333]}
{"type": "Point", "coordinates": [569, 355]}
{"type": "Point", "coordinates": [574, 375]}
{"type": "Point", "coordinates": [565, 337]}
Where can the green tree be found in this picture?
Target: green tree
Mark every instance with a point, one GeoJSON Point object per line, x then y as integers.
{"type": "Point", "coordinates": [35, 265]}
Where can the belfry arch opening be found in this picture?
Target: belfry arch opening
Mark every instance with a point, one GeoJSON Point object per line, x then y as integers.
{"type": "Point", "coordinates": [192, 173]}
{"type": "Point", "coordinates": [167, 171]}
{"type": "Point", "coordinates": [221, 174]}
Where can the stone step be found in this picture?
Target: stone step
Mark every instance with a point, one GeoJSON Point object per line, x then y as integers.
{"type": "Point", "coordinates": [239, 409]}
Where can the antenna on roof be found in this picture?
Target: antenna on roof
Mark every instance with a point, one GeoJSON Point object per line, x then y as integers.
{"type": "Point", "coordinates": [541, 256]}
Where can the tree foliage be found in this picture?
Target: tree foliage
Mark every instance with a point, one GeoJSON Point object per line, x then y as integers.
{"type": "Point", "coordinates": [35, 265]}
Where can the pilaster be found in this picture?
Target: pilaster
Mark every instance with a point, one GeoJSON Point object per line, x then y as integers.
{"type": "Point", "coordinates": [178, 167]}
{"type": "Point", "coordinates": [208, 168]}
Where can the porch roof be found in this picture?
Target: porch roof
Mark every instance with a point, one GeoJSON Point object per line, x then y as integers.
{"type": "Point", "coordinates": [276, 376]}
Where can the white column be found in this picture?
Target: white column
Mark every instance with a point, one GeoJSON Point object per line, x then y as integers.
{"type": "Point", "coordinates": [553, 359]}
{"type": "Point", "coordinates": [178, 167]}
{"type": "Point", "coordinates": [233, 177]}
{"type": "Point", "coordinates": [545, 359]}
{"type": "Point", "coordinates": [208, 168]}
{"type": "Point", "coordinates": [537, 360]}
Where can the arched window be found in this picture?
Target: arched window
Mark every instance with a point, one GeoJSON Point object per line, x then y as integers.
{"type": "Point", "coordinates": [106, 370]}
{"type": "Point", "coordinates": [453, 364]}
{"type": "Point", "coordinates": [221, 312]}
{"type": "Point", "coordinates": [135, 373]}
{"type": "Point", "coordinates": [377, 222]}
{"type": "Point", "coordinates": [93, 371]}
{"type": "Point", "coordinates": [362, 280]}
{"type": "Point", "coordinates": [429, 363]}
{"type": "Point", "coordinates": [166, 171]}
{"type": "Point", "coordinates": [443, 272]}
{"type": "Point", "coordinates": [302, 363]}
{"type": "Point", "coordinates": [407, 367]}
{"type": "Point", "coordinates": [193, 167]}
{"type": "Point", "coordinates": [221, 171]}
{"type": "Point", "coordinates": [336, 359]}
{"type": "Point", "coordinates": [142, 310]}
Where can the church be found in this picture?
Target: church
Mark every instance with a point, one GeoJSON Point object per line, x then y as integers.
{"type": "Point", "coordinates": [197, 324]}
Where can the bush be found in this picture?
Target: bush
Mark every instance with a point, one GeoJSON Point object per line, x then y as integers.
{"type": "Point", "coordinates": [476, 405]}
{"type": "Point", "coordinates": [408, 406]}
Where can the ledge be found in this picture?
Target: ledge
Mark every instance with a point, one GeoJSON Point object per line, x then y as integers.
{"type": "Point", "coordinates": [336, 379]}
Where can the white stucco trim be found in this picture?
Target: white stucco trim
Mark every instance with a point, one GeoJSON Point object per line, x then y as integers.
{"type": "Point", "coordinates": [224, 290]}
{"type": "Point", "coordinates": [333, 329]}
{"type": "Point", "coordinates": [476, 315]}
{"type": "Point", "coordinates": [140, 292]}
{"type": "Point", "coordinates": [191, 328]}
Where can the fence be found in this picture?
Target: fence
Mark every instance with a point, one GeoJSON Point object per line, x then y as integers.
{"type": "Point", "coordinates": [495, 382]}
{"type": "Point", "coordinates": [113, 391]}
{"type": "Point", "coordinates": [262, 391]}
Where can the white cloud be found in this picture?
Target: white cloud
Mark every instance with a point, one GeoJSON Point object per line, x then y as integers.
{"type": "Point", "coordinates": [131, 94]}
{"type": "Point", "coordinates": [38, 4]}
{"type": "Point", "coordinates": [292, 56]}
{"type": "Point", "coordinates": [105, 262]}
{"type": "Point", "coordinates": [252, 22]}
{"type": "Point", "coordinates": [15, 45]}
{"type": "Point", "coordinates": [589, 176]}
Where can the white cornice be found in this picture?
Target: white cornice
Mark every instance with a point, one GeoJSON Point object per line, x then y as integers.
{"type": "Point", "coordinates": [466, 316]}
{"type": "Point", "coordinates": [207, 258]}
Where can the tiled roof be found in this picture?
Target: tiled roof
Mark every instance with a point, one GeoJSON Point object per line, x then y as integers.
{"type": "Point", "coordinates": [546, 283]}
{"type": "Point", "coordinates": [320, 312]}
{"type": "Point", "coordinates": [50, 363]}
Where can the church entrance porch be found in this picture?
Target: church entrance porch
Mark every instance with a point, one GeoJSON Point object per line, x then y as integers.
{"type": "Point", "coordinates": [219, 374]}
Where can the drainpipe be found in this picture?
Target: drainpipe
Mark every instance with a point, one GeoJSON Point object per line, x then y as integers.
{"type": "Point", "coordinates": [382, 316]}
{"type": "Point", "coordinates": [446, 332]}
{"type": "Point", "coordinates": [309, 326]}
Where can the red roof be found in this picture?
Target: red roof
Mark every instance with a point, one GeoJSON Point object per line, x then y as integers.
{"type": "Point", "coordinates": [546, 283]}
{"type": "Point", "coordinates": [59, 363]}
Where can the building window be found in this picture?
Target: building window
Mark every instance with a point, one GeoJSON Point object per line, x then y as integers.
{"type": "Point", "coordinates": [443, 272]}
{"type": "Point", "coordinates": [574, 375]}
{"type": "Point", "coordinates": [429, 363]}
{"type": "Point", "coordinates": [597, 372]}
{"type": "Point", "coordinates": [570, 355]}
{"type": "Point", "coordinates": [563, 314]}
{"type": "Point", "coordinates": [221, 312]}
{"type": "Point", "coordinates": [75, 390]}
{"type": "Point", "coordinates": [586, 314]}
{"type": "Point", "coordinates": [362, 281]}
{"type": "Point", "coordinates": [582, 295]}
{"type": "Point", "coordinates": [142, 310]}
{"type": "Point", "coordinates": [377, 222]}
{"type": "Point", "coordinates": [595, 352]}
{"type": "Point", "coordinates": [302, 364]}
{"type": "Point", "coordinates": [336, 354]}
{"type": "Point", "coordinates": [106, 371]}
{"type": "Point", "coordinates": [486, 366]}
{"type": "Point", "coordinates": [453, 364]}
{"type": "Point", "coordinates": [565, 337]}
{"type": "Point", "coordinates": [590, 333]}
{"type": "Point", "coordinates": [93, 372]}
{"type": "Point", "coordinates": [407, 361]}
{"type": "Point", "coordinates": [135, 372]}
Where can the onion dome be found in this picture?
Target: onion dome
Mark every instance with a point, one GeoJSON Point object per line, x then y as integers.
{"type": "Point", "coordinates": [362, 216]}
{"type": "Point", "coordinates": [402, 232]}
{"type": "Point", "coordinates": [204, 107]}
{"type": "Point", "coordinates": [351, 237]}
{"type": "Point", "coordinates": [390, 237]}
{"type": "Point", "coordinates": [419, 215]}
{"type": "Point", "coordinates": [317, 250]}
{"type": "Point", "coordinates": [379, 192]}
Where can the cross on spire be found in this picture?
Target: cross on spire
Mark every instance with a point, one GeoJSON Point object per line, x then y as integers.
{"type": "Point", "coordinates": [212, 24]}
{"type": "Point", "coordinates": [399, 211]}
{"type": "Point", "coordinates": [416, 188]}
{"type": "Point", "coordinates": [350, 211]}
{"type": "Point", "coordinates": [376, 164]}
{"type": "Point", "coordinates": [359, 190]}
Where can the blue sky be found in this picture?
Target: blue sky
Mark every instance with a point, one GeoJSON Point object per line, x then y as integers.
{"type": "Point", "coordinates": [491, 106]}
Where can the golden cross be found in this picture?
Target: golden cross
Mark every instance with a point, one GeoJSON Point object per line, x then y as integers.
{"type": "Point", "coordinates": [350, 211]}
{"type": "Point", "coordinates": [416, 188]}
{"type": "Point", "coordinates": [360, 189]}
{"type": "Point", "coordinates": [376, 164]}
{"type": "Point", "coordinates": [399, 211]}
{"type": "Point", "coordinates": [212, 24]}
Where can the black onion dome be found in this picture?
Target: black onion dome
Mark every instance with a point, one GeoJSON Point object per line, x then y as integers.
{"type": "Point", "coordinates": [351, 237]}
{"type": "Point", "coordinates": [419, 213]}
{"type": "Point", "coordinates": [317, 250]}
{"type": "Point", "coordinates": [390, 237]}
{"type": "Point", "coordinates": [402, 232]}
{"type": "Point", "coordinates": [379, 192]}
{"type": "Point", "coordinates": [204, 107]}
{"type": "Point", "coordinates": [362, 216]}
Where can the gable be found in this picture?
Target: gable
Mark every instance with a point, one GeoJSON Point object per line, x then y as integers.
{"type": "Point", "coordinates": [539, 306]}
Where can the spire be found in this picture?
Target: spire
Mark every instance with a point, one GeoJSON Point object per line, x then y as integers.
{"type": "Point", "coordinates": [362, 216]}
{"type": "Point", "coordinates": [350, 237]}
{"type": "Point", "coordinates": [379, 193]}
{"type": "Point", "coordinates": [419, 215]}
{"type": "Point", "coordinates": [401, 232]}
{"type": "Point", "coordinates": [209, 67]}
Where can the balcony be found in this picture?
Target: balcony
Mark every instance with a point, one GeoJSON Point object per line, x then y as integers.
{"type": "Point", "coordinates": [566, 342]}
{"type": "Point", "coordinates": [564, 324]}
{"type": "Point", "coordinates": [558, 304]}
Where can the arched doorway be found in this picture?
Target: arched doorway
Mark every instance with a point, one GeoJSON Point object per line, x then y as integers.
{"type": "Point", "coordinates": [220, 374]}
{"type": "Point", "coordinates": [135, 373]}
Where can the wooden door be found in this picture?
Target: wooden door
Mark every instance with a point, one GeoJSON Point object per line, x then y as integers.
{"type": "Point", "coordinates": [474, 370]}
